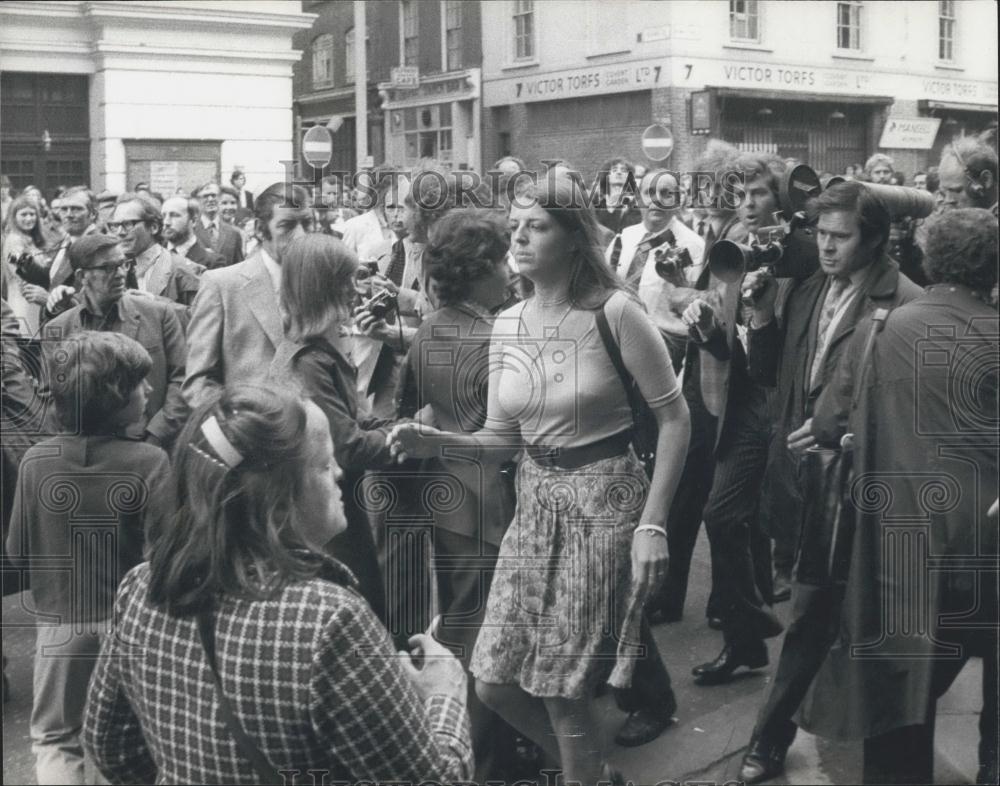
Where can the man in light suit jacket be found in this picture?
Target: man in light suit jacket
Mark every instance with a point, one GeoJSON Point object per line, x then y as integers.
{"type": "Point", "coordinates": [212, 231]}
{"type": "Point", "coordinates": [235, 324]}
{"type": "Point", "coordinates": [137, 222]}
{"type": "Point", "coordinates": [98, 263]}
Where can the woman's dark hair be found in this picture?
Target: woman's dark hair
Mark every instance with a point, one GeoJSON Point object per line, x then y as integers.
{"type": "Point", "coordinates": [92, 375]}
{"type": "Point", "coordinates": [961, 248]}
{"type": "Point", "coordinates": [563, 196]}
{"type": "Point", "coordinates": [317, 285]}
{"type": "Point", "coordinates": [435, 191]}
{"type": "Point", "coordinates": [36, 234]}
{"type": "Point", "coordinates": [234, 532]}
{"type": "Point", "coordinates": [464, 247]}
{"type": "Point", "coordinates": [605, 170]}
{"type": "Point", "coordinates": [851, 196]}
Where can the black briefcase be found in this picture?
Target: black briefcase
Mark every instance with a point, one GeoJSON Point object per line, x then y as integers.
{"type": "Point", "coordinates": [828, 516]}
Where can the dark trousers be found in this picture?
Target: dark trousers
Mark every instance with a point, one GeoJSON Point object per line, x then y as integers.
{"type": "Point", "coordinates": [906, 755]}
{"type": "Point", "coordinates": [742, 552]}
{"type": "Point", "coordinates": [685, 516]}
{"type": "Point", "coordinates": [814, 626]}
{"type": "Point", "coordinates": [464, 568]}
{"type": "Point", "coordinates": [650, 689]}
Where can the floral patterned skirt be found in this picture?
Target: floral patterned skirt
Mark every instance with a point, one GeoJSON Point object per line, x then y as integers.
{"type": "Point", "coordinates": [563, 613]}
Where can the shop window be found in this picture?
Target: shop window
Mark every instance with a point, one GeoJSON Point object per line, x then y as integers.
{"type": "Point", "coordinates": [946, 30]}
{"type": "Point", "coordinates": [453, 34]}
{"type": "Point", "coordinates": [427, 131]}
{"type": "Point", "coordinates": [322, 60]}
{"type": "Point", "coordinates": [524, 29]}
{"type": "Point", "coordinates": [411, 50]}
{"type": "Point", "coordinates": [849, 26]}
{"type": "Point", "coordinates": [744, 20]}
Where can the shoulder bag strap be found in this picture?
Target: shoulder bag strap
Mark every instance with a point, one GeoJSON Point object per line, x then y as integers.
{"type": "Point", "coordinates": [879, 317]}
{"type": "Point", "coordinates": [615, 353]}
{"type": "Point", "coordinates": [265, 772]}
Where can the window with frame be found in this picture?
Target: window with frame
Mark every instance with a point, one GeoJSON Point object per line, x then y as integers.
{"type": "Point", "coordinates": [524, 29]}
{"type": "Point", "coordinates": [744, 20]}
{"type": "Point", "coordinates": [411, 52]}
{"type": "Point", "coordinates": [453, 34]}
{"type": "Point", "coordinates": [427, 133]}
{"type": "Point", "coordinates": [322, 60]}
{"type": "Point", "coordinates": [946, 30]}
{"type": "Point", "coordinates": [849, 25]}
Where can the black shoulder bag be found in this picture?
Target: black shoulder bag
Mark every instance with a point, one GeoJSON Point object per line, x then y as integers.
{"type": "Point", "coordinates": [828, 514]}
{"type": "Point", "coordinates": [265, 772]}
{"type": "Point", "coordinates": [645, 429]}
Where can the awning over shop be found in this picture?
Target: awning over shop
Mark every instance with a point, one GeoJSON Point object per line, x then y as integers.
{"type": "Point", "coordinates": [926, 105]}
{"type": "Point", "coordinates": [790, 95]}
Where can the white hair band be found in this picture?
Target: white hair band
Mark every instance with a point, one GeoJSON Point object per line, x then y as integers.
{"type": "Point", "coordinates": [220, 443]}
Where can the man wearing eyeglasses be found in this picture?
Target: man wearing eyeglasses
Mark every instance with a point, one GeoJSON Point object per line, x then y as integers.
{"type": "Point", "coordinates": [235, 322]}
{"type": "Point", "coordinates": [99, 270]}
{"type": "Point", "coordinates": [137, 222]}
{"type": "Point", "coordinates": [212, 231]}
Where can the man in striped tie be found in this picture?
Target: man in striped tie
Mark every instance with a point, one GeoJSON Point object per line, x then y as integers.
{"type": "Point", "coordinates": [801, 355]}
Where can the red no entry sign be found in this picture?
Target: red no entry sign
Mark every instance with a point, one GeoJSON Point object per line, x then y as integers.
{"type": "Point", "coordinates": [317, 146]}
{"type": "Point", "coordinates": [657, 142]}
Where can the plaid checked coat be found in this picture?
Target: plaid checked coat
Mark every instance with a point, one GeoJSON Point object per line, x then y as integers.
{"type": "Point", "coordinates": [312, 677]}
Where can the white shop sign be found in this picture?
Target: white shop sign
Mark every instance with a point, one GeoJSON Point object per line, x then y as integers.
{"type": "Point", "coordinates": [698, 73]}
{"type": "Point", "coordinates": [916, 133]}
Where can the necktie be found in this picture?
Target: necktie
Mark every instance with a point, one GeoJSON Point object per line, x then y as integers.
{"type": "Point", "coordinates": [647, 244]}
{"type": "Point", "coordinates": [701, 228]}
{"type": "Point", "coordinates": [131, 281]}
{"type": "Point", "coordinates": [397, 263]}
{"type": "Point", "coordinates": [834, 294]}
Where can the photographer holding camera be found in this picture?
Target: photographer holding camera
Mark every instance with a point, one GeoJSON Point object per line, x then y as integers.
{"type": "Point", "coordinates": [660, 242]}
{"type": "Point", "coordinates": [800, 355]}
{"type": "Point", "coordinates": [741, 551]}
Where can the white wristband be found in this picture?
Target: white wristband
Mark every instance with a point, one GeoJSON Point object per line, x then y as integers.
{"type": "Point", "coordinates": [654, 528]}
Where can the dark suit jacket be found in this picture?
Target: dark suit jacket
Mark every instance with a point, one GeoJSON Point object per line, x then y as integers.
{"type": "Point", "coordinates": [457, 393]}
{"type": "Point", "coordinates": [228, 244]}
{"type": "Point", "coordinates": [781, 354]}
{"type": "Point", "coordinates": [154, 325]}
{"type": "Point", "coordinates": [202, 256]}
{"type": "Point", "coordinates": [708, 366]}
{"type": "Point", "coordinates": [234, 330]}
{"type": "Point", "coordinates": [174, 277]}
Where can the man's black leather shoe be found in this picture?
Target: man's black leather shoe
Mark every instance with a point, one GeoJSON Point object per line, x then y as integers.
{"type": "Point", "coordinates": [761, 763]}
{"type": "Point", "coordinates": [720, 670]}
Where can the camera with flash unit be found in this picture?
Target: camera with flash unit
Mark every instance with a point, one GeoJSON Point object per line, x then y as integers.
{"type": "Point", "coordinates": [787, 249]}
{"type": "Point", "coordinates": [669, 258]}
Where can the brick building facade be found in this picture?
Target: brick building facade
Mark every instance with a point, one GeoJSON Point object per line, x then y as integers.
{"type": "Point", "coordinates": [816, 81]}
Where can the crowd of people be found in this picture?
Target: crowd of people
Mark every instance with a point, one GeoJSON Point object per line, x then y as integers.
{"type": "Point", "coordinates": [390, 484]}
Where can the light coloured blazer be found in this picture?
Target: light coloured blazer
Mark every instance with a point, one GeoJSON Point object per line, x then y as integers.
{"type": "Point", "coordinates": [234, 330]}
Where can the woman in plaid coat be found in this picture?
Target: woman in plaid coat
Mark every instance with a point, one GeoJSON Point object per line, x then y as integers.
{"type": "Point", "coordinates": [242, 652]}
